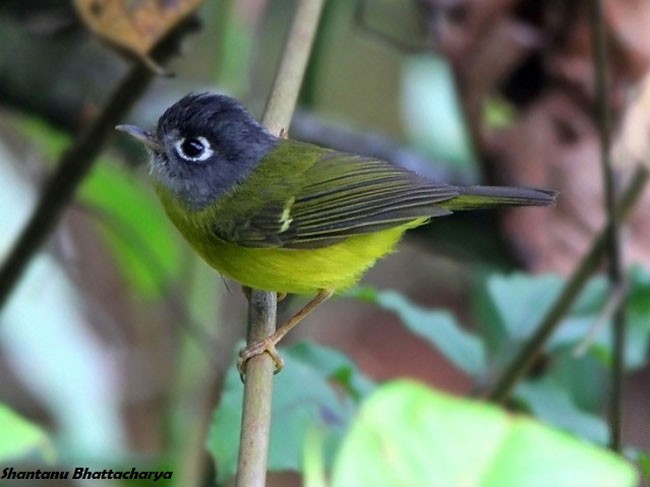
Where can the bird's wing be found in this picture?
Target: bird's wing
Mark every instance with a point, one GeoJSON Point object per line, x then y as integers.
{"type": "Point", "coordinates": [338, 196]}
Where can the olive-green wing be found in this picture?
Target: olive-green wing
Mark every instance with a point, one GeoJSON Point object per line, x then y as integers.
{"type": "Point", "coordinates": [338, 196]}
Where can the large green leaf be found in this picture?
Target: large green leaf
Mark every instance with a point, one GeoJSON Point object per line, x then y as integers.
{"type": "Point", "coordinates": [407, 434]}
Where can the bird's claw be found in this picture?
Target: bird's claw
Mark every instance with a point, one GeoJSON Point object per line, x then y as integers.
{"type": "Point", "coordinates": [268, 346]}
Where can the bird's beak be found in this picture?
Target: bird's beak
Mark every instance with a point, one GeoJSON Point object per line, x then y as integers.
{"type": "Point", "coordinates": [147, 138]}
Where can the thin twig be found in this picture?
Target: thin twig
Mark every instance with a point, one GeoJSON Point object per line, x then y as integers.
{"type": "Point", "coordinates": [612, 303]}
{"type": "Point", "coordinates": [71, 170]}
{"type": "Point", "coordinates": [258, 388]}
{"type": "Point", "coordinates": [59, 190]}
{"type": "Point", "coordinates": [590, 262]}
{"type": "Point", "coordinates": [614, 267]}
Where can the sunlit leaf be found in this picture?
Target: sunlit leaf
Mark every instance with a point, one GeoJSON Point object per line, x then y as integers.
{"type": "Point", "coordinates": [407, 434]}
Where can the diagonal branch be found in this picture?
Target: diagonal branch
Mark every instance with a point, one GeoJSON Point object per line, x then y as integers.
{"type": "Point", "coordinates": [74, 165]}
{"type": "Point", "coordinates": [590, 262]}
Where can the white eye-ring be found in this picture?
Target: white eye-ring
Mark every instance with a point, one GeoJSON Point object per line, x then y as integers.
{"type": "Point", "coordinates": [193, 149]}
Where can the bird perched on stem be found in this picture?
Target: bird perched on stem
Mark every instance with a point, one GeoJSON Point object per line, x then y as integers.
{"type": "Point", "coordinates": [281, 215]}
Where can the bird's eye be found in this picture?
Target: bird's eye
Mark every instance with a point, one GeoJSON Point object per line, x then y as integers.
{"type": "Point", "coordinates": [193, 148]}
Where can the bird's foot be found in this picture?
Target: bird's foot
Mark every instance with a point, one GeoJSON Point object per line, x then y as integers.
{"type": "Point", "coordinates": [263, 346]}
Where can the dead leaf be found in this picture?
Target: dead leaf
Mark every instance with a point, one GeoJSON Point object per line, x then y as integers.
{"type": "Point", "coordinates": [134, 25]}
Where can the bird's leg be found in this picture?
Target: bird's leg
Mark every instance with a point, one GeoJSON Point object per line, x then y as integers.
{"type": "Point", "coordinates": [269, 343]}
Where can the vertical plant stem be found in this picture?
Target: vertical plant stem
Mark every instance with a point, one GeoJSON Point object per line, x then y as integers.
{"type": "Point", "coordinates": [614, 264]}
{"type": "Point", "coordinates": [258, 388]}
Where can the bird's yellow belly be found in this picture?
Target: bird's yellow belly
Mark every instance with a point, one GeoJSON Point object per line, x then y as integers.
{"type": "Point", "coordinates": [305, 271]}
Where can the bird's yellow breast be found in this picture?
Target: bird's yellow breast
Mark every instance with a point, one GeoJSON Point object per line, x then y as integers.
{"type": "Point", "coordinates": [300, 271]}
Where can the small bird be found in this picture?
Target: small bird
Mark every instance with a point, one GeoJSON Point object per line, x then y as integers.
{"type": "Point", "coordinates": [281, 215]}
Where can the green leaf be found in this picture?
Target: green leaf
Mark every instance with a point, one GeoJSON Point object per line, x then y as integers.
{"type": "Point", "coordinates": [638, 316]}
{"type": "Point", "coordinates": [588, 312]}
{"type": "Point", "coordinates": [551, 403]}
{"type": "Point", "coordinates": [407, 434]}
{"type": "Point", "coordinates": [438, 327]}
{"type": "Point", "coordinates": [49, 141]}
{"type": "Point", "coordinates": [520, 300]}
{"type": "Point", "coordinates": [21, 437]}
{"type": "Point", "coordinates": [582, 378]}
{"type": "Point", "coordinates": [306, 395]}
{"type": "Point", "coordinates": [313, 470]}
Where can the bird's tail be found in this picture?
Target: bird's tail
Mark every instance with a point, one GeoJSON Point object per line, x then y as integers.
{"type": "Point", "coordinates": [480, 197]}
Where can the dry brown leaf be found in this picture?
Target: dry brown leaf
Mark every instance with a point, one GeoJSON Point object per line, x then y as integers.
{"type": "Point", "coordinates": [134, 25]}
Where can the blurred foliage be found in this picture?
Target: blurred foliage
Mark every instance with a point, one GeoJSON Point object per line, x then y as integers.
{"type": "Point", "coordinates": [144, 241]}
{"type": "Point", "coordinates": [407, 434]}
{"type": "Point", "coordinates": [89, 356]}
{"type": "Point", "coordinates": [321, 390]}
{"type": "Point", "coordinates": [432, 113]}
{"type": "Point", "coordinates": [509, 307]}
{"type": "Point", "coordinates": [438, 327]}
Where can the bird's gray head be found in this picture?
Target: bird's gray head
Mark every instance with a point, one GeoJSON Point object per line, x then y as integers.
{"type": "Point", "coordinates": [203, 146]}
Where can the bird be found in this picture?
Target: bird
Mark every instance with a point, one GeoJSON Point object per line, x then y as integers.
{"type": "Point", "coordinates": [286, 216]}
